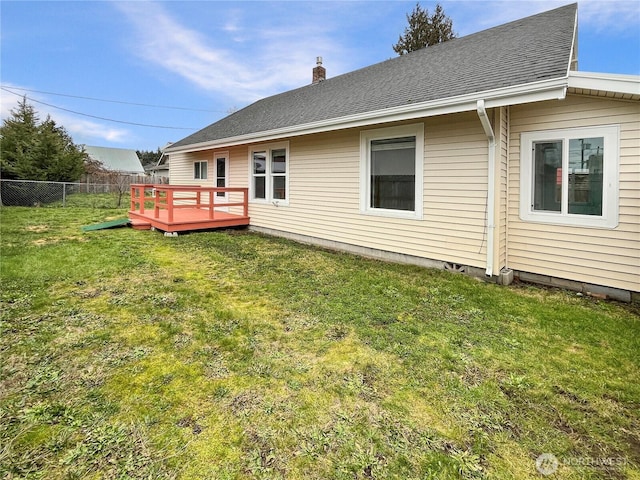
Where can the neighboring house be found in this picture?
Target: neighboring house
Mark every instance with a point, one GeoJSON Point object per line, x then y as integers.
{"type": "Point", "coordinates": [161, 168]}
{"type": "Point", "coordinates": [488, 154]}
{"type": "Point", "coordinates": [118, 160]}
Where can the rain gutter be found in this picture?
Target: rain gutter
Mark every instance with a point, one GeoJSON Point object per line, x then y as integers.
{"type": "Point", "coordinates": [491, 184]}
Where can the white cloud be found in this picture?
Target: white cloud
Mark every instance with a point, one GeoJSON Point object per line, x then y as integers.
{"type": "Point", "coordinates": [82, 131]}
{"type": "Point", "coordinates": [218, 66]}
{"type": "Point", "coordinates": [92, 132]}
{"type": "Point", "coordinates": [609, 15]}
{"type": "Point", "coordinates": [243, 57]}
{"type": "Point", "coordinates": [473, 16]}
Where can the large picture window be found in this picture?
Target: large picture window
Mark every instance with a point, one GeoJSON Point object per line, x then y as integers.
{"type": "Point", "coordinates": [269, 173]}
{"type": "Point", "coordinates": [570, 176]}
{"type": "Point", "coordinates": [391, 171]}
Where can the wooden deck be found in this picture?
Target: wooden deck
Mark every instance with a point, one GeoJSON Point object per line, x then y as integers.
{"type": "Point", "coordinates": [181, 208]}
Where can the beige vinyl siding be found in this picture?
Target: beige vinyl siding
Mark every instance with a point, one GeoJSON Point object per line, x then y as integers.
{"type": "Point", "coordinates": [324, 193]}
{"type": "Point", "coordinates": [609, 257]}
{"type": "Point", "coordinates": [181, 171]}
{"type": "Point", "coordinates": [501, 130]}
{"type": "Point", "coordinates": [181, 168]}
{"type": "Point", "coordinates": [456, 188]}
{"type": "Point", "coordinates": [238, 167]}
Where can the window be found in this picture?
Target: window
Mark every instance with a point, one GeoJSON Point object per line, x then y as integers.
{"type": "Point", "coordinates": [269, 173]}
{"type": "Point", "coordinates": [200, 170]}
{"type": "Point", "coordinates": [391, 171]}
{"type": "Point", "coordinates": [279, 174]}
{"type": "Point", "coordinates": [570, 177]}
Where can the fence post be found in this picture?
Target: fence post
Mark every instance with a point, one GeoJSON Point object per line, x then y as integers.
{"type": "Point", "coordinates": [64, 195]}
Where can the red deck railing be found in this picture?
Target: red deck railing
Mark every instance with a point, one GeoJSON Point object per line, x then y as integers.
{"type": "Point", "coordinates": [174, 197]}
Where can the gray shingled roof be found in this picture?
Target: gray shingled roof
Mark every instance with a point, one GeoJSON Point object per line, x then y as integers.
{"type": "Point", "coordinates": [528, 50]}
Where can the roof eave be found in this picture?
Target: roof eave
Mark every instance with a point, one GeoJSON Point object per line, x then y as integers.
{"type": "Point", "coordinates": [606, 82]}
{"type": "Point", "coordinates": [552, 89]}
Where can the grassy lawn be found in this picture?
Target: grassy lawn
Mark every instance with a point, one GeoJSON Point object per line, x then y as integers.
{"type": "Point", "coordinates": [230, 355]}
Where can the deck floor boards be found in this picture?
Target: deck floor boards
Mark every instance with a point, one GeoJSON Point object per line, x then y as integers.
{"type": "Point", "coordinates": [187, 219]}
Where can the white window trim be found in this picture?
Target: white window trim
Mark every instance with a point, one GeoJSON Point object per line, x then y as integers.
{"type": "Point", "coordinates": [269, 147]}
{"type": "Point", "coordinates": [216, 155]}
{"type": "Point", "coordinates": [194, 169]}
{"type": "Point", "coordinates": [610, 182]}
{"type": "Point", "coordinates": [366, 136]}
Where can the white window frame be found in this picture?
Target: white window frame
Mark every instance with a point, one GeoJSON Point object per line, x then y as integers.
{"type": "Point", "coordinates": [366, 137]}
{"type": "Point", "coordinates": [200, 177]}
{"type": "Point", "coordinates": [610, 181]}
{"type": "Point", "coordinates": [224, 155]}
{"type": "Point", "coordinates": [269, 175]}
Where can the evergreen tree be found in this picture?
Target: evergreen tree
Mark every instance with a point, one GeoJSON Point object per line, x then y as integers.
{"type": "Point", "coordinates": [149, 157]}
{"type": "Point", "coordinates": [424, 30]}
{"type": "Point", "coordinates": [18, 136]}
{"type": "Point", "coordinates": [37, 151]}
{"type": "Point", "coordinates": [58, 158]}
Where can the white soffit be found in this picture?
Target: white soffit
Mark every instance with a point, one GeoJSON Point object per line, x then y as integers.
{"type": "Point", "coordinates": [606, 82]}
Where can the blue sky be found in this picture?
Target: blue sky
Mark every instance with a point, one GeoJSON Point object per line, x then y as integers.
{"type": "Point", "coordinates": [207, 58]}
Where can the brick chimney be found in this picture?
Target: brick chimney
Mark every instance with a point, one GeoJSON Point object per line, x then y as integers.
{"type": "Point", "coordinates": [319, 72]}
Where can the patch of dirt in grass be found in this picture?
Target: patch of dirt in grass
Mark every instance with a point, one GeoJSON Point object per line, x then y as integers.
{"type": "Point", "coordinates": [37, 228]}
{"type": "Point", "coordinates": [262, 455]}
{"type": "Point", "coordinates": [473, 375]}
{"type": "Point", "coordinates": [88, 292]}
{"type": "Point", "coordinates": [577, 402]}
{"type": "Point", "coordinates": [41, 242]}
{"type": "Point", "coordinates": [13, 373]}
{"type": "Point", "coordinates": [575, 348]}
{"type": "Point", "coordinates": [245, 402]}
{"type": "Point", "coordinates": [633, 441]}
{"type": "Point", "coordinates": [337, 332]}
{"type": "Point", "coordinates": [298, 322]}
{"type": "Point", "coordinates": [563, 425]}
{"type": "Point", "coordinates": [190, 422]}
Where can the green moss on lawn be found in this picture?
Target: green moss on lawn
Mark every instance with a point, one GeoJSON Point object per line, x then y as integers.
{"type": "Point", "coordinates": [233, 355]}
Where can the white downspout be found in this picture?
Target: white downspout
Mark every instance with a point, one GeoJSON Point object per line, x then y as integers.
{"type": "Point", "coordinates": [491, 184]}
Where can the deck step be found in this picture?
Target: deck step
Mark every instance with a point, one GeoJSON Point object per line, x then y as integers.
{"type": "Point", "coordinates": [140, 224]}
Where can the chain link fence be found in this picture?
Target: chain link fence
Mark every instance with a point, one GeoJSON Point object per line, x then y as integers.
{"type": "Point", "coordinates": [30, 193]}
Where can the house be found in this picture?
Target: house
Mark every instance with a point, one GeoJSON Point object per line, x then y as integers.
{"type": "Point", "coordinates": [119, 160]}
{"type": "Point", "coordinates": [161, 168]}
{"type": "Point", "coordinates": [489, 154]}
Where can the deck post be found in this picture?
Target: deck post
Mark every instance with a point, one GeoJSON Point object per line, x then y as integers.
{"type": "Point", "coordinates": [140, 198]}
{"type": "Point", "coordinates": [156, 202]}
{"type": "Point", "coordinates": [246, 201]}
{"type": "Point", "coordinates": [132, 200]}
{"type": "Point", "coordinates": [170, 205]}
{"type": "Point", "coordinates": [212, 196]}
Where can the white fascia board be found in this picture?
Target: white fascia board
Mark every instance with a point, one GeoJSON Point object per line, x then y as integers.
{"type": "Point", "coordinates": [573, 55]}
{"type": "Point", "coordinates": [555, 89]}
{"type": "Point", "coordinates": [606, 82]}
